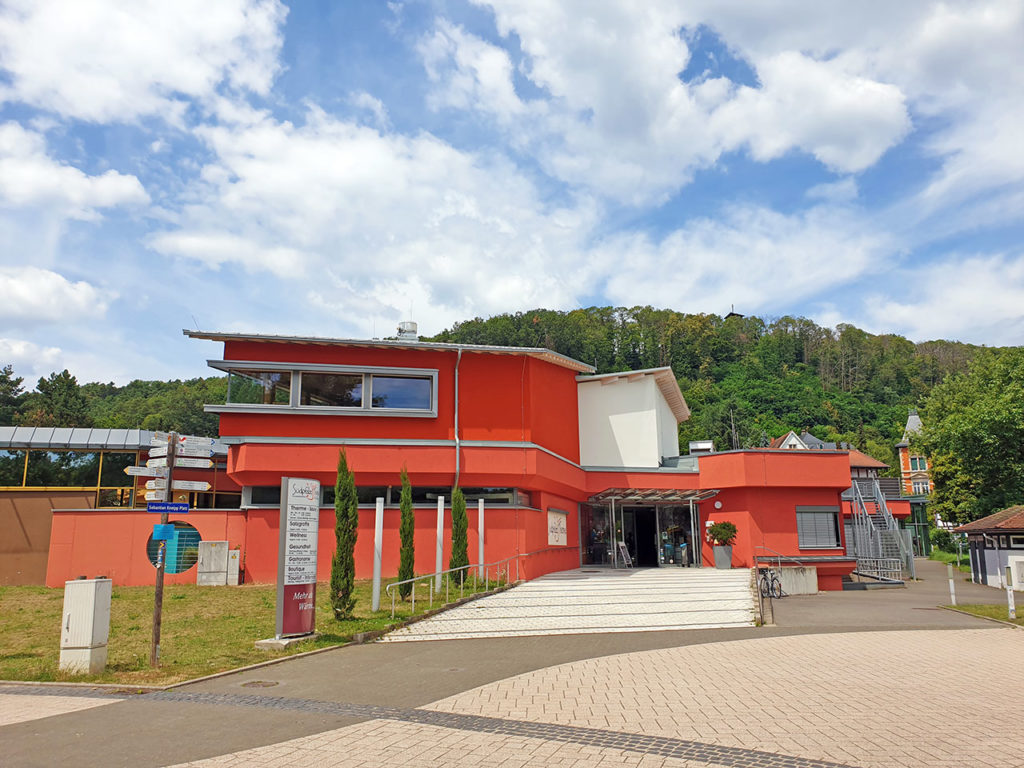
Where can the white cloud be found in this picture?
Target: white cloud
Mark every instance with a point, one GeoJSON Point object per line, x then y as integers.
{"type": "Point", "coordinates": [29, 359]}
{"type": "Point", "coordinates": [978, 299]}
{"type": "Point", "coordinates": [615, 115]}
{"type": "Point", "coordinates": [846, 122]}
{"type": "Point", "coordinates": [30, 177]}
{"type": "Point", "coordinates": [34, 296]}
{"type": "Point", "coordinates": [752, 257]}
{"type": "Point", "coordinates": [365, 101]}
{"type": "Point", "coordinates": [353, 217]}
{"type": "Point", "coordinates": [104, 60]}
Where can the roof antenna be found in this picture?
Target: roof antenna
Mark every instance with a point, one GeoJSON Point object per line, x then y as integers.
{"type": "Point", "coordinates": [196, 322]}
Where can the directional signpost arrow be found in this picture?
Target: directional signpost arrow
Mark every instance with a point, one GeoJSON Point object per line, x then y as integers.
{"type": "Point", "coordinates": [146, 471]}
{"type": "Point", "coordinates": [194, 450]}
{"type": "Point", "coordinates": [190, 485]}
{"type": "Point", "coordinates": [156, 462]}
{"type": "Point", "coordinates": [178, 485]}
{"type": "Point", "coordinates": [193, 463]}
{"type": "Point", "coordinates": [158, 450]}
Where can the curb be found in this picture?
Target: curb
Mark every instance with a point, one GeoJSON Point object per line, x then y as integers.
{"type": "Point", "coordinates": [986, 618]}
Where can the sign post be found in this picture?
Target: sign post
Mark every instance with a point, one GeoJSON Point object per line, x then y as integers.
{"type": "Point", "coordinates": [296, 561]}
{"type": "Point", "coordinates": [161, 561]}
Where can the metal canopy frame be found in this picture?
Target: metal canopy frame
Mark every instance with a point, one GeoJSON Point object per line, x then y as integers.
{"type": "Point", "coordinates": [650, 496]}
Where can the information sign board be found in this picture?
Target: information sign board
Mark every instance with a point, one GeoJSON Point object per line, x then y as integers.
{"type": "Point", "coordinates": [297, 551]}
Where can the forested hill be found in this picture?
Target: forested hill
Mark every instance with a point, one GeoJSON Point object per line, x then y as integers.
{"type": "Point", "coordinates": [746, 379]}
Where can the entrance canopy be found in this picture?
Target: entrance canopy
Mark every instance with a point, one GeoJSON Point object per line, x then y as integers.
{"type": "Point", "coordinates": [651, 496]}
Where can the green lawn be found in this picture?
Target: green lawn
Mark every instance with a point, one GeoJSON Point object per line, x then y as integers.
{"type": "Point", "coordinates": [950, 557]}
{"type": "Point", "coordinates": [205, 630]}
{"type": "Point", "coordinates": [998, 611]}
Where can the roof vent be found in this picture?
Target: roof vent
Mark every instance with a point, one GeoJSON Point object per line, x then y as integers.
{"type": "Point", "coordinates": [408, 330]}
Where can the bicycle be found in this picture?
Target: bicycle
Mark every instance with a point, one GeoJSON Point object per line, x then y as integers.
{"type": "Point", "coordinates": [770, 584]}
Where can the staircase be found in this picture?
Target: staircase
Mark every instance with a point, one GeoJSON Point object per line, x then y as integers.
{"type": "Point", "coordinates": [874, 536]}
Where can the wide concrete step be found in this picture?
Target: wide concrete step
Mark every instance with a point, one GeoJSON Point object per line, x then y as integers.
{"type": "Point", "coordinates": [588, 601]}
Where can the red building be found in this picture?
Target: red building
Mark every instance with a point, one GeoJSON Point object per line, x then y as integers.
{"type": "Point", "coordinates": [567, 462]}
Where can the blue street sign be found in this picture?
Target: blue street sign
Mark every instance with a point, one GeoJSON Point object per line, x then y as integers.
{"type": "Point", "coordinates": [170, 507]}
{"type": "Point", "coordinates": [163, 532]}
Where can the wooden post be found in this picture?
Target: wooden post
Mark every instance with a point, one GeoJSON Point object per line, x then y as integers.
{"type": "Point", "coordinates": [158, 596]}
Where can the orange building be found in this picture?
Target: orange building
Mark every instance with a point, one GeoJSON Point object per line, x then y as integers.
{"type": "Point", "coordinates": [913, 467]}
{"type": "Point", "coordinates": [574, 468]}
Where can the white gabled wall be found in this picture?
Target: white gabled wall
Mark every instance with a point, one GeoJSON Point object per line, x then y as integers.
{"type": "Point", "coordinates": [625, 424]}
{"type": "Point", "coordinates": [668, 427]}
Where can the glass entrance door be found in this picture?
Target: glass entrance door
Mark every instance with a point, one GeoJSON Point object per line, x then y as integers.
{"type": "Point", "coordinates": [675, 539]}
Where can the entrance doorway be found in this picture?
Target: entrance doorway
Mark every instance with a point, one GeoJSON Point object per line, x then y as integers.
{"type": "Point", "coordinates": [654, 536]}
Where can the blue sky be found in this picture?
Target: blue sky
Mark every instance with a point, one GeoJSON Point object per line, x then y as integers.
{"type": "Point", "coordinates": [334, 168]}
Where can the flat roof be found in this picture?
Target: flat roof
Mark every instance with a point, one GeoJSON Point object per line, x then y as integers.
{"type": "Point", "coordinates": [540, 353]}
{"type": "Point", "coordinates": [82, 439]}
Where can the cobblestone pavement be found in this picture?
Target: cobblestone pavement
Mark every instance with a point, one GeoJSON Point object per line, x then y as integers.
{"type": "Point", "coordinates": [945, 698]}
{"type": "Point", "coordinates": [23, 708]}
{"type": "Point", "coordinates": [586, 601]}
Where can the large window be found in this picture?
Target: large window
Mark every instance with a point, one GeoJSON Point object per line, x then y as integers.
{"type": "Point", "coordinates": [259, 387]}
{"type": "Point", "coordinates": [101, 472]}
{"type": "Point", "coordinates": [340, 391]}
{"type": "Point", "coordinates": [817, 527]}
{"type": "Point", "coordinates": [358, 390]}
{"type": "Point", "coordinates": [270, 495]}
{"type": "Point", "coordinates": [400, 392]}
{"type": "Point", "coordinates": [12, 468]}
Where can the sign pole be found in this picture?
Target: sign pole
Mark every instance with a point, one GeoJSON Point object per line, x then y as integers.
{"type": "Point", "coordinates": [1011, 609]}
{"type": "Point", "coordinates": [378, 551]}
{"type": "Point", "coordinates": [480, 536]}
{"type": "Point", "coordinates": [439, 556]}
{"type": "Point", "coordinates": [161, 564]}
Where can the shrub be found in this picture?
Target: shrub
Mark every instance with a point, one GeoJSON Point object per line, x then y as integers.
{"type": "Point", "coordinates": [723, 534]}
{"type": "Point", "coordinates": [406, 532]}
{"type": "Point", "coordinates": [460, 537]}
{"type": "Point", "coordinates": [346, 523]}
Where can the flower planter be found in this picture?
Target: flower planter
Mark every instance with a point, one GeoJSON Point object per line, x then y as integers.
{"type": "Point", "coordinates": [723, 557]}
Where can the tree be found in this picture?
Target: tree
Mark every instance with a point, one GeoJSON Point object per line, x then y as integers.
{"type": "Point", "coordinates": [57, 402]}
{"type": "Point", "coordinates": [346, 522]}
{"type": "Point", "coordinates": [974, 437]}
{"type": "Point", "coordinates": [460, 539]}
{"type": "Point", "coordinates": [11, 395]}
{"type": "Point", "coordinates": [406, 532]}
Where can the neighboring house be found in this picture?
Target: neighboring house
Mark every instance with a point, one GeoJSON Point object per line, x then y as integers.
{"type": "Point", "coordinates": [913, 466]}
{"type": "Point", "coordinates": [916, 485]}
{"type": "Point", "coordinates": [572, 467]}
{"type": "Point", "coordinates": [995, 542]}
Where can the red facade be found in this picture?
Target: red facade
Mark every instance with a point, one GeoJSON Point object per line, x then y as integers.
{"type": "Point", "coordinates": [517, 426]}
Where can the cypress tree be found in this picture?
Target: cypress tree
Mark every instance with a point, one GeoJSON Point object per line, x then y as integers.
{"type": "Point", "coordinates": [406, 532]}
{"type": "Point", "coordinates": [460, 538]}
{"type": "Point", "coordinates": [346, 522]}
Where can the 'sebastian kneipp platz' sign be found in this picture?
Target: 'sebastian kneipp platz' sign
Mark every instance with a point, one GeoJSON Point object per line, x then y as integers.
{"type": "Point", "coordinates": [296, 562]}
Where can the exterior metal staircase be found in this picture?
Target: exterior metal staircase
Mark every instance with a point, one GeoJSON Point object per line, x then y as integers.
{"type": "Point", "coordinates": [874, 536]}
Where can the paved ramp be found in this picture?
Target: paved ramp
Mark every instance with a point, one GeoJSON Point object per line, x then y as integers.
{"type": "Point", "coordinates": [587, 601]}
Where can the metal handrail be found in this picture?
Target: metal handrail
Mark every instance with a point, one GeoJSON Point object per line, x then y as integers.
{"type": "Point", "coordinates": [779, 558]}
{"type": "Point", "coordinates": [483, 569]}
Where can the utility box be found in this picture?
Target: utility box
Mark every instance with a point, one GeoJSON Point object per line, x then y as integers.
{"type": "Point", "coordinates": [234, 566]}
{"type": "Point", "coordinates": [86, 626]}
{"type": "Point", "coordinates": [213, 564]}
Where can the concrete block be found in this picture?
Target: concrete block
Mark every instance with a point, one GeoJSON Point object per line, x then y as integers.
{"type": "Point", "coordinates": [799, 580]}
{"type": "Point", "coordinates": [280, 643]}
